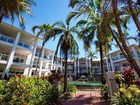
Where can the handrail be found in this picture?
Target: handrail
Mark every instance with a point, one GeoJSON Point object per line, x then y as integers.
{"type": "Point", "coordinates": [16, 59]}
{"type": "Point", "coordinates": [12, 40]}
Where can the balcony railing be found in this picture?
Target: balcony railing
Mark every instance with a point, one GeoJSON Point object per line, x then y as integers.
{"type": "Point", "coordinates": [11, 41]}
{"type": "Point", "coordinates": [16, 60]}
{"type": "Point", "coordinates": [3, 57]}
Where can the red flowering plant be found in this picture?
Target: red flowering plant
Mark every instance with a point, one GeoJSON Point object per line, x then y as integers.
{"type": "Point", "coordinates": [128, 75]}
{"type": "Point", "coordinates": [55, 76]}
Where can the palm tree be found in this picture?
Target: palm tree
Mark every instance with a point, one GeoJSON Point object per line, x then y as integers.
{"type": "Point", "coordinates": [67, 45]}
{"type": "Point", "coordinates": [48, 32]}
{"type": "Point", "coordinates": [133, 8]}
{"type": "Point", "coordinates": [90, 28]}
{"type": "Point", "coordinates": [15, 8]}
{"type": "Point", "coordinates": [131, 60]}
{"type": "Point", "coordinates": [101, 10]}
{"type": "Point", "coordinates": [92, 56]}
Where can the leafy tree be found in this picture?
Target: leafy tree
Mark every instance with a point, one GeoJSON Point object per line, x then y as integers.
{"type": "Point", "coordinates": [122, 38]}
{"type": "Point", "coordinates": [106, 13]}
{"type": "Point", "coordinates": [67, 45]}
{"type": "Point", "coordinates": [48, 32]}
{"type": "Point", "coordinates": [92, 56]}
{"type": "Point", "coordinates": [15, 8]}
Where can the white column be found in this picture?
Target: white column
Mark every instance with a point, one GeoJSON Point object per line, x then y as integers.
{"type": "Point", "coordinates": [112, 64]}
{"type": "Point", "coordinates": [47, 65]}
{"type": "Point", "coordinates": [87, 65]}
{"type": "Point", "coordinates": [75, 70]}
{"type": "Point", "coordinates": [41, 63]}
{"type": "Point", "coordinates": [108, 68]}
{"type": "Point", "coordinates": [52, 66]}
{"type": "Point", "coordinates": [32, 59]}
{"type": "Point", "coordinates": [78, 67]}
{"type": "Point", "coordinates": [27, 63]}
{"type": "Point", "coordinates": [11, 56]}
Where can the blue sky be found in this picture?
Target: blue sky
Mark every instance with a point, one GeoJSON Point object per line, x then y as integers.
{"type": "Point", "coordinates": [50, 11]}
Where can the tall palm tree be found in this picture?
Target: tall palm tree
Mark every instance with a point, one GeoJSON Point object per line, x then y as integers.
{"type": "Point", "coordinates": [48, 32]}
{"type": "Point", "coordinates": [90, 28]}
{"type": "Point", "coordinates": [92, 56]}
{"type": "Point", "coordinates": [67, 45]}
{"type": "Point", "coordinates": [15, 8]}
{"type": "Point", "coordinates": [131, 60]}
{"type": "Point", "coordinates": [93, 9]}
{"type": "Point", "coordinates": [133, 8]}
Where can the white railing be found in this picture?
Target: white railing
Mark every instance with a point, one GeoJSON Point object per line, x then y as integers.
{"type": "Point", "coordinates": [3, 57]}
{"type": "Point", "coordinates": [12, 40]}
{"type": "Point", "coordinates": [17, 60]}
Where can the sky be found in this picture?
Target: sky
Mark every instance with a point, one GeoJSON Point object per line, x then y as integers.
{"type": "Point", "coordinates": [51, 11]}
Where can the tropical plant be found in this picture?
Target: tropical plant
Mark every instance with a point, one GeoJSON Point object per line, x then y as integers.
{"type": "Point", "coordinates": [23, 91]}
{"type": "Point", "coordinates": [122, 38]}
{"type": "Point", "coordinates": [132, 9]}
{"type": "Point", "coordinates": [127, 96]}
{"type": "Point", "coordinates": [48, 32]}
{"type": "Point", "coordinates": [92, 56]}
{"type": "Point", "coordinates": [53, 96]}
{"type": "Point", "coordinates": [16, 8]}
{"type": "Point", "coordinates": [107, 13]}
{"type": "Point", "coordinates": [55, 77]}
{"type": "Point", "coordinates": [105, 92]}
{"type": "Point", "coordinates": [92, 28]}
{"type": "Point", "coordinates": [67, 45]}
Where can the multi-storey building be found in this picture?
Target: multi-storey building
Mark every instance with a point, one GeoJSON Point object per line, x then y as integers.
{"type": "Point", "coordinates": [19, 52]}
{"type": "Point", "coordinates": [117, 61]}
{"type": "Point", "coordinates": [82, 66]}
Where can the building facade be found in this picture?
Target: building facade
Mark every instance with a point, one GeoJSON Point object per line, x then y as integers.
{"type": "Point", "coordinates": [19, 53]}
{"type": "Point", "coordinates": [82, 66]}
{"type": "Point", "coordinates": [116, 60]}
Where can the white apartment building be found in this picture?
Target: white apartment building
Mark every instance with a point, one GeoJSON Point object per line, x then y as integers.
{"type": "Point", "coordinates": [81, 66]}
{"type": "Point", "coordinates": [117, 61]}
{"type": "Point", "coordinates": [19, 53]}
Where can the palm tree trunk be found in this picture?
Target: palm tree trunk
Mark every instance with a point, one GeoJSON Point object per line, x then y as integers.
{"type": "Point", "coordinates": [65, 74]}
{"type": "Point", "coordinates": [101, 64]}
{"type": "Point", "coordinates": [0, 19]}
{"type": "Point", "coordinates": [120, 46]}
{"type": "Point", "coordinates": [39, 57]}
{"type": "Point", "coordinates": [122, 38]}
{"type": "Point", "coordinates": [134, 15]}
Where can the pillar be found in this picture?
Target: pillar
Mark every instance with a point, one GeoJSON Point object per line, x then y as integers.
{"type": "Point", "coordinates": [112, 64]}
{"type": "Point", "coordinates": [11, 56]}
{"type": "Point", "coordinates": [32, 58]}
{"type": "Point", "coordinates": [78, 67]}
{"type": "Point", "coordinates": [41, 63]}
{"type": "Point", "coordinates": [26, 70]}
{"type": "Point", "coordinates": [52, 65]}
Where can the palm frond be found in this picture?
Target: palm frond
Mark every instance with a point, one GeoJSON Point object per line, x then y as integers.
{"type": "Point", "coordinates": [70, 16]}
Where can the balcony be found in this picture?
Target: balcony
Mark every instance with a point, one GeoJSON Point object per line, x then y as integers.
{"type": "Point", "coordinates": [3, 57]}
{"type": "Point", "coordinates": [16, 60]}
{"type": "Point", "coordinates": [11, 41]}
{"type": "Point", "coordinates": [19, 60]}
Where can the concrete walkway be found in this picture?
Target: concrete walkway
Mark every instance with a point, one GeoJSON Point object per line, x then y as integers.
{"type": "Point", "coordinates": [86, 98]}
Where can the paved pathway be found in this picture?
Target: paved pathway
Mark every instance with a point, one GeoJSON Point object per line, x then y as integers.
{"type": "Point", "coordinates": [86, 98]}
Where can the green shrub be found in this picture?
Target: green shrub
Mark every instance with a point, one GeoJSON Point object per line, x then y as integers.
{"type": "Point", "coordinates": [105, 92]}
{"type": "Point", "coordinates": [53, 96]}
{"type": "Point", "coordinates": [127, 96]}
{"type": "Point", "coordinates": [25, 91]}
{"type": "Point", "coordinates": [71, 88]}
